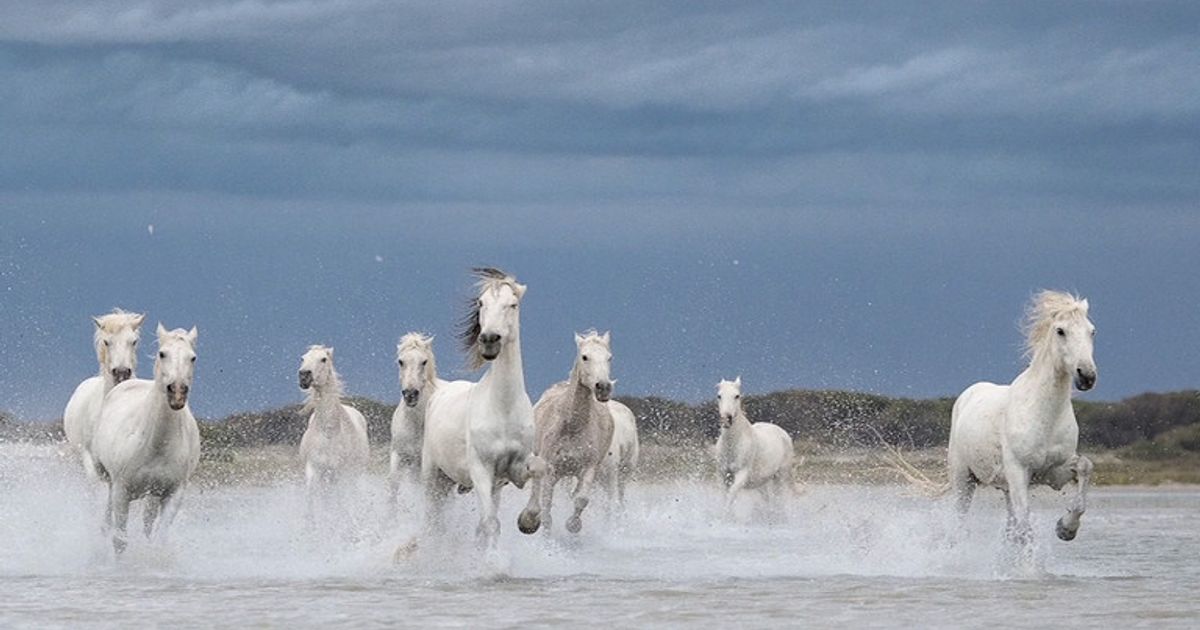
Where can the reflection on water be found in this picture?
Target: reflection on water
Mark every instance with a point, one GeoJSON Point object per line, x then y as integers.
{"type": "Point", "coordinates": [242, 553]}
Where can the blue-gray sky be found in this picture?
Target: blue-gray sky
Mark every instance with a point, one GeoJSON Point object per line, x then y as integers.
{"type": "Point", "coordinates": [844, 195]}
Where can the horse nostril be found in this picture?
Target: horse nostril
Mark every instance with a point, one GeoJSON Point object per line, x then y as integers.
{"type": "Point", "coordinates": [489, 338]}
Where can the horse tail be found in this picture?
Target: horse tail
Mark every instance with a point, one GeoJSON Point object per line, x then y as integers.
{"type": "Point", "coordinates": [920, 483]}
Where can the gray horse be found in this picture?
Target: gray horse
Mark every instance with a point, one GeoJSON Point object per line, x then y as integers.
{"type": "Point", "coordinates": [574, 428]}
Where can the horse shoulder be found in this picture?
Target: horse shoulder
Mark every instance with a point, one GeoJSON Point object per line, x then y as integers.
{"type": "Point", "coordinates": [359, 422]}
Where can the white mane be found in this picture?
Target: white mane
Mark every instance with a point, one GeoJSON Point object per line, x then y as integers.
{"type": "Point", "coordinates": [1043, 310]}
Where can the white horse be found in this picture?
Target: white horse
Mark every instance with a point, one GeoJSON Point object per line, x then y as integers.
{"type": "Point", "coordinates": [480, 435]}
{"type": "Point", "coordinates": [622, 458]}
{"type": "Point", "coordinates": [116, 340]}
{"type": "Point", "coordinates": [1013, 436]}
{"type": "Point", "coordinates": [574, 429]}
{"type": "Point", "coordinates": [147, 443]}
{"type": "Point", "coordinates": [335, 443]}
{"type": "Point", "coordinates": [418, 382]}
{"type": "Point", "coordinates": [749, 455]}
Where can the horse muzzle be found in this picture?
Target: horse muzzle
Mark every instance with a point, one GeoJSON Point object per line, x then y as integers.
{"type": "Point", "coordinates": [177, 396]}
{"type": "Point", "coordinates": [120, 375]}
{"type": "Point", "coordinates": [411, 396]}
{"type": "Point", "coordinates": [489, 351]}
{"type": "Point", "coordinates": [603, 391]}
{"type": "Point", "coordinates": [306, 379]}
{"type": "Point", "coordinates": [1085, 379]}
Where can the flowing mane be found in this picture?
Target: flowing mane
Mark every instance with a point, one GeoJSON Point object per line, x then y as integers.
{"type": "Point", "coordinates": [1043, 310]}
{"type": "Point", "coordinates": [420, 341]}
{"type": "Point", "coordinates": [489, 279]}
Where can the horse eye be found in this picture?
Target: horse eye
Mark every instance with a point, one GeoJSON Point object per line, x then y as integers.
{"type": "Point", "coordinates": [324, 360]}
{"type": "Point", "coordinates": [738, 397]}
{"type": "Point", "coordinates": [401, 362]}
{"type": "Point", "coordinates": [106, 343]}
{"type": "Point", "coordinates": [585, 357]}
{"type": "Point", "coordinates": [1062, 333]}
{"type": "Point", "coordinates": [425, 362]}
{"type": "Point", "coordinates": [135, 342]}
{"type": "Point", "coordinates": [193, 359]}
{"type": "Point", "coordinates": [162, 355]}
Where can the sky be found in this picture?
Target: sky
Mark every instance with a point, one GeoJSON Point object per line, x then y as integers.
{"type": "Point", "coordinates": [820, 195]}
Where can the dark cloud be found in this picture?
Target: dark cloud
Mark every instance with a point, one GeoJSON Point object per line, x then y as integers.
{"type": "Point", "coordinates": [846, 153]}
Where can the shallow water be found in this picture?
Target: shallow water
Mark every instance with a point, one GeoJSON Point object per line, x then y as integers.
{"type": "Point", "coordinates": [241, 554]}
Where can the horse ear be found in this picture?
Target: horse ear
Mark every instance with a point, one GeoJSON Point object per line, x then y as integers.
{"type": "Point", "coordinates": [192, 334]}
{"type": "Point", "coordinates": [578, 339]}
{"type": "Point", "coordinates": [521, 291]}
{"type": "Point", "coordinates": [330, 349]}
{"type": "Point", "coordinates": [137, 321]}
{"type": "Point", "coordinates": [738, 381]}
{"type": "Point", "coordinates": [161, 331]}
{"type": "Point", "coordinates": [606, 336]}
{"type": "Point", "coordinates": [97, 322]}
{"type": "Point", "coordinates": [1084, 302]}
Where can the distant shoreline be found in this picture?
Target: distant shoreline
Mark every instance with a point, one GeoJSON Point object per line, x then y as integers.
{"type": "Point", "coordinates": [1152, 438]}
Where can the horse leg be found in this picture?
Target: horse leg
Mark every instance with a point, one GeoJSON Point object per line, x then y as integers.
{"type": "Point", "coordinates": [735, 486]}
{"type": "Point", "coordinates": [1079, 470]}
{"type": "Point", "coordinates": [89, 465]}
{"type": "Point", "coordinates": [1019, 532]}
{"type": "Point", "coordinates": [118, 498]}
{"type": "Point", "coordinates": [152, 503]}
{"type": "Point", "coordinates": [171, 502]}
{"type": "Point", "coordinates": [312, 478]}
{"type": "Point", "coordinates": [548, 486]}
{"type": "Point", "coordinates": [393, 487]}
{"type": "Point", "coordinates": [580, 494]}
{"type": "Point", "coordinates": [962, 486]}
{"type": "Point", "coordinates": [531, 517]}
{"type": "Point", "coordinates": [485, 486]}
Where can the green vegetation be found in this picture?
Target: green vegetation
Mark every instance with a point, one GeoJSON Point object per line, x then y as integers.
{"type": "Point", "coordinates": [1149, 438]}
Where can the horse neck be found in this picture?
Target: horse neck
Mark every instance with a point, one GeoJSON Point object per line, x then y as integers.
{"type": "Point", "coordinates": [504, 381]}
{"type": "Point", "coordinates": [166, 424]}
{"type": "Point", "coordinates": [739, 431]}
{"type": "Point", "coordinates": [1044, 386]}
{"type": "Point", "coordinates": [580, 404]}
{"type": "Point", "coordinates": [327, 408]}
{"type": "Point", "coordinates": [416, 414]}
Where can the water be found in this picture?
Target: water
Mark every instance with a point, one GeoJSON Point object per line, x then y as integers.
{"type": "Point", "coordinates": [845, 554]}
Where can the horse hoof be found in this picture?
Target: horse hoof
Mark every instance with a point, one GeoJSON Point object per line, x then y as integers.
{"type": "Point", "coordinates": [1065, 533]}
{"type": "Point", "coordinates": [574, 524]}
{"type": "Point", "coordinates": [528, 522]}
